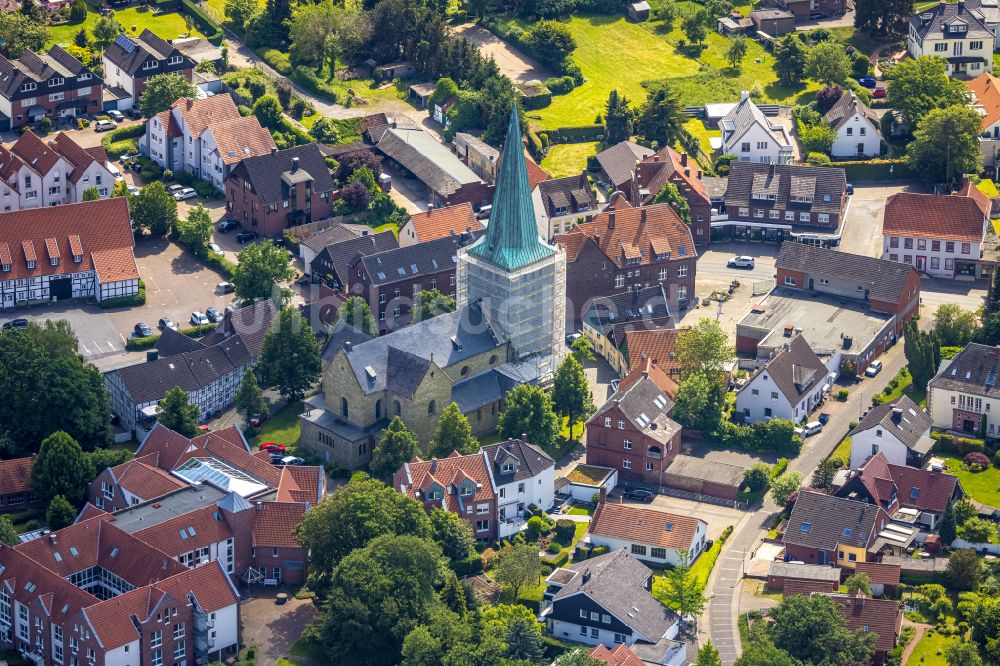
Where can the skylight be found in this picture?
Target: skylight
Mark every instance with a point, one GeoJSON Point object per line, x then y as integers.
{"type": "Point", "coordinates": [219, 474]}
{"type": "Point", "coordinates": [57, 556]}
{"type": "Point", "coordinates": [73, 551]}
{"type": "Point", "coordinates": [114, 551]}
{"type": "Point", "coordinates": [805, 527]}
{"type": "Point", "coordinates": [848, 532]}
{"type": "Point", "coordinates": [914, 493]}
{"type": "Point", "coordinates": [29, 586]}
{"type": "Point", "coordinates": [183, 533]}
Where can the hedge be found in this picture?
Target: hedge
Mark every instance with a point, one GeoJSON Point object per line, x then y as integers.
{"type": "Point", "coordinates": [138, 344]}
{"type": "Point", "coordinates": [470, 566]}
{"type": "Point", "coordinates": [276, 59]}
{"type": "Point", "coordinates": [126, 301]}
{"type": "Point", "coordinates": [205, 23]}
{"type": "Point", "coordinates": [779, 468]}
{"type": "Point", "coordinates": [960, 446]}
{"type": "Point", "coordinates": [875, 170]}
{"type": "Point", "coordinates": [580, 134]}
{"type": "Point", "coordinates": [120, 141]}
{"type": "Point", "coordinates": [218, 263]}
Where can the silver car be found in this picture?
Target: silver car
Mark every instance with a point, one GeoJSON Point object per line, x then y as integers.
{"type": "Point", "coordinates": [185, 193]}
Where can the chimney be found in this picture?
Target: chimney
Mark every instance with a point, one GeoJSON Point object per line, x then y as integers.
{"type": "Point", "coordinates": [745, 95]}
{"type": "Point", "coordinates": [274, 151]}
{"type": "Point", "coordinates": [897, 415]}
{"type": "Point", "coordinates": [524, 437]}
{"type": "Point", "coordinates": [684, 159]}
{"type": "Point", "coordinates": [347, 346]}
{"type": "Point", "coordinates": [586, 576]}
{"type": "Point", "coordinates": [295, 164]}
{"type": "Point", "coordinates": [603, 496]}
{"type": "Point", "coordinates": [152, 355]}
{"type": "Point", "coordinates": [611, 219]}
{"type": "Point", "coordinates": [260, 505]}
{"type": "Point", "coordinates": [434, 465]}
{"type": "Point", "coordinates": [642, 216]}
{"type": "Point", "coordinates": [52, 538]}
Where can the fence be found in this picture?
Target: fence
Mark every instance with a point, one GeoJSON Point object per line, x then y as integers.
{"type": "Point", "coordinates": [991, 548]}
{"type": "Point", "coordinates": [707, 499]}
{"type": "Point", "coordinates": [762, 287]}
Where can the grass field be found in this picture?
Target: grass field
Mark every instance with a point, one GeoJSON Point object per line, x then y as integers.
{"type": "Point", "coordinates": [843, 451]}
{"type": "Point", "coordinates": [167, 25]}
{"type": "Point", "coordinates": [282, 427]}
{"type": "Point", "coordinates": [981, 486]}
{"type": "Point", "coordinates": [568, 159]}
{"type": "Point", "coordinates": [697, 128]}
{"type": "Point", "coordinates": [930, 649]}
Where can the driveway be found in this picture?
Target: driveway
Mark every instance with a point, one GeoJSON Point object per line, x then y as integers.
{"type": "Point", "coordinates": [273, 628]}
{"type": "Point", "coordinates": [844, 21]}
{"type": "Point", "coordinates": [717, 517]}
{"type": "Point", "coordinates": [514, 64]}
{"type": "Point", "coordinates": [863, 229]}
{"type": "Point", "coordinates": [86, 137]}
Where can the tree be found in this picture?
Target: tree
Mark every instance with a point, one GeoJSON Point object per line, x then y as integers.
{"type": "Point", "coordinates": [963, 510]}
{"type": "Point", "coordinates": [813, 630]}
{"type": "Point", "coordinates": [102, 459]}
{"type": "Point", "coordinates": [452, 533]}
{"type": "Point", "coordinates": [783, 486]}
{"type": "Point", "coordinates": [765, 654]}
{"type": "Point", "coordinates": [32, 10]}
{"type": "Point", "coordinates": [249, 398]}
{"type": "Point", "coordinates": [261, 267]}
{"type": "Point", "coordinates": [529, 412]}
{"type": "Point", "coordinates": [571, 394]}
{"type": "Point", "coordinates": [736, 51]}
{"type": "Point", "coordinates": [858, 581]}
{"type": "Point", "coordinates": [517, 566]}
{"type": "Point", "coordinates": [682, 590]}
{"type": "Point", "coordinates": [524, 640]}
{"type": "Point", "coordinates": [321, 33]}
{"type": "Point", "coordinates": [581, 350]}
{"type": "Point", "coordinates": [91, 194]}
{"type": "Point", "coordinates": [918, 85]}
{"type": "Point", "coordinates": [107, 29]}
{"type": "Point", "coordinates": [429, 304]}
{"type": "Point", "coordinates": [947, 528]}
{"type": "Point", "coordinates": [708, 655]}
{"type": "Point", "coordinates": [61, 468]}
{"type": "Point", "coordinates": [355, 312]}
{"type": "Point", "coordinates": [81, 38]}
{"type": "Point", "coordinates": [699, 402]}
{"type": "Point", "coordinates": [356, 195]}
{"type": "Point", "coordinates": [955, 326]}
{"type": "Point", "coordinates": [694, 26]}
{"type": "Point", "coordinates": [176, 412]}
{"type": "Point", "coordinates": [453, 433]}
{"type": "Point", "coordinates": [21, 34]}
{"type": "Point", "coordinates": [617, 119]}
{"type": "Point", "coordinates": [661, 117]}
{"type": "Point", "coordinates": [396, 446]}
{"type": "Point", "coordinates": [60, 513]}
{"type": "Point", "coordinates": [825, 471]}
{"type": "Point", "coordinates": [241, 11]}
{"type": "Point", "coordinates": [882, 18]}
{"type": "Point", "coordinates": [670, 194]}
{"type": "Point", "coordinates": [826, 97]}
{"type": "Point", "coordinates": [378, 594]}
{"type": "Point", "coordinates": [8, 533]}
{"type": "Point", "coordinates": [946, 144]}
{"type": "Point", "coordinates": [817, 138]}
{"type": "Point", "coordinates": [758, 476]}
{"type": "Point", "coordinates": [267, 109]}
{"type": "Point", "coordinates": [577, 657]}
{"type": "Point", "coordinates": [153, 209]}
{"type": "Point", "coordinates": [163, 90]}
{"type": "Point", "coordinates": [923, 353]}
{"type": "Point", "coordinates": [965, 571]}
{"type": "Point", "coordinates": [790, 60]}
{"type": "Point", "coordinates": [704, 348]}
{"type": "Point", "coordinates": [78, 12]}
{"type": "Point", "coordinates": [350, 517]}
{"type": "Point", "coordinates": [962, 654]}
{"type": "Point", "coordinates": [196, 231]}
{"type": "Point", "coordinates": [827, 62]}
{"type": "Point", "coordinates": [552, 41]}
{"type": "Point", "coordinates": [289, 357]}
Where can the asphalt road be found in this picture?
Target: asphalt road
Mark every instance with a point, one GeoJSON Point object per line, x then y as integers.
{"type": "Point", "coordinates": [724, 584]}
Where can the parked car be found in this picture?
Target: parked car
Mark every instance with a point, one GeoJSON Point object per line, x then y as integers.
{"type": "Point", "coordinates": [116, 115]}
{"type": "Point", "coordinates": [873, 368]}
{"type": "Point", "coordinates": [225, 288]}
{"type": "Point", "coordinates": [741, 262]}
{"type": "Point", "coordinates": [484, 212]}
{"type": "Point", "coordinates": [255, 422]}
{"type": "Point", "coordinates": [573, 337]}
{"type": "Point", "coordinates": [134, 113]}
{"type": "Point", "coordinates": [292, 460]}
{"type": "Point", "coordinates": [115, 172]}
{"type": "Point", "coordinates": [213, 315]}
{"type": "Point", "coordinates": [212, 247]}
{"type": "Point", "coordinates": [878, 93]}
{"type": "Point", "coordinates": [199, 318]}
{"type": "Point", "coordinates": [174, 189]}
{"type": "Point", "coordinates": [15, 324]}
{"type": "Point", "coordinates": [165, 323]}
{"type": "Point", "coordinates": [185, 193]}
{"type": "Point", "coordinates": [867, 82]}
{"type": "Point", "coordinates": [850, 188]}
{"type": "Point", "coordinates": [246, 236]}
{"type": "Point", "coordinates": [276, 458]}
{"type": "Point", "coordinates": [142, 331]}
{"type": "Point", "coordinates": [640, 494]}
{"type": "Point", "coordinates": [132, 189]}
{"type": "Point", "coordinates": [272, 447]}
{"type": "Point", "coordinates": [809, 429]}
{"type": "Point", "coordinates": [227, 225]}
{"type": "Point", "coordinates": [104, 125]}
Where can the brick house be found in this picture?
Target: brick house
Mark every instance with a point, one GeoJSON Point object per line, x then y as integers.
{"type": "Point", "coordinates": [54, 85]}
{"type": "Point", "coordinates": [882, 617]}
{"type": "Point", "coordinates": [629, 248]}
{"type": "Point", "coordinates": [129, 62]}
{"type": "Point", "coordinates": [670, 166]}
{"type": "Point", "coordinates": [616, 164]}
{"type": "Point", "coordinates": [823, 529]}
{"type": "Point", "coordinates": [391, 280]}
{"type": "Point", "coordinates": [610, 319]}
{"type": "Point", "coordinates": [633, 432]}
{"type": "Point", "coordinates": [331, 265]}
{"type": "Point", "coordinates": [270, 192]}
{"type": "Point", "coordinates": [15, 484]}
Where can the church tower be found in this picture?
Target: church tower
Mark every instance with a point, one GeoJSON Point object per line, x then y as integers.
{"type": "Point", "coordinates": [518, 277]}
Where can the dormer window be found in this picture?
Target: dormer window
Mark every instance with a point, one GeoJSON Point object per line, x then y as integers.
{"type": "Point", "coordinates": [464, 490]}
{"type": "Point", "coordinates": [56, 81]}
{"type": "Point", "coordinates": [176, 59]}
{"type": "Point", "coordinates": [508, 467]}
{"type": "Point", "coordinates": [150, 64]}
{"type": "Point", "coordinates": [86, 76]}
{"type": "Point", "coordinates": [5, 268]}
{"type": "Point", "coordinates": [434, 495]}
{"type": "Point", "coordinates": [77, 258]}
{"type": "Point", "coordinates": [29, 86]}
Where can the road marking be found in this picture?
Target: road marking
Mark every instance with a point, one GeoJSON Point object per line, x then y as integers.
{"type": "Point", "coordinates": [110, 344]}
{"type": "Point", "coordinates": [85, 350]}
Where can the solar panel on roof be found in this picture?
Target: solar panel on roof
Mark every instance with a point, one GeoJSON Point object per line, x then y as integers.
{"type": "Point", "coordinates": [127, 44]}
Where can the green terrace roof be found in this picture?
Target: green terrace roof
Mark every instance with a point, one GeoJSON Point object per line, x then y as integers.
{"type": "Point", "coordinates": [511, 241]}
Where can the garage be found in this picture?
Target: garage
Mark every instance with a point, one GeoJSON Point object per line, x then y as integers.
{"type": "Point", "coordinates": [61, 287]}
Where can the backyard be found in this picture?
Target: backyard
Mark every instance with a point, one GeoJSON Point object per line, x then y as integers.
{"type": "Point", "coordinates": [167, 25]}
{"type": "Point", "coordinates": [568, 159]}
{"type": "Point", "coordinates": [981, 486]}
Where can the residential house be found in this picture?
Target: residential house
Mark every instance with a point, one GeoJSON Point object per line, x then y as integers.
{"type": "Point", "coordinates": [955, 32]}
{"type": "Point", "coordinates": [777, 201]}
{"type": "Point", "coordinates": [751, 137]}
{"type": "Point", "coordinates": [649, 535]}
{"type": "Point", "coordinates": [523, 475]}
{"type": "Point", "coordinates": [607, 600]}
{"type": "Point", "coordinates": [859, 134]}
{"type": "Point", "coordinates": [703, 476]}
{"type": "Point", "coordinates": [129, 62]}
{"type": "Point", "coordinates": [437, 223]}
{"type": "Point", "coordinates": [790, 385]}
{"type": "Point", "coordinates": [883, 577]}
{"type": "Point", "coordinates": [15, 485]}
{"type": "Point", "coordinates": [621, 655]}
{"type": "Point", "coordinates": [561, 202]}
{"type": "Point", "coordinates": [909, 495]}
{"type": "Point", "coordinates": [990, 9]}
{"type": "Point", "coordinates": [823, 529]}
{"type": "Point", "coordinates": [609, 320]}
{"type": "Point", "coordinates": [270, 191]}
{"type": "Point", "coordinates": [54, 85]}
{"type": "Point", "coordinates": [34, 174]}
{"type": "Point", "coordinates": [669, 166]}
{"type": "Point", "coordinates": [773, 22]}
{"type": "Point", "coordinates": [332, 264]}
{"type": "Point", "coordinates": [224, 145]}
{"type": "Point", "coordinates": [89, 168]}
{"type": "Point", "coordinates": [337, 232]}
{"type": "Point", "coordinates": [961, 395]}
{"type": "Point", "coordinates": [624, 248]}
{"type": "Point", "coordinates": [208, 370]}
{"type": "Point", "coordinates": [657, 345]}
{"type": "Point", "coordinates": [786, 576]}
{"type": "Point", "coordinates": [984, 92]}
{"type": "Point", "coordinates": [940, 235]}
{"type": "Point", "coordinates": [882, 617]}
{"type": "Point", "coordinates": [200, 50]}
{"type": "Point", "coordinates": [391, 280]}
{"type": "Point", "coordinates": [899, 430]}
{"type": "Point", "coordinates": [478, 155]}
{"type": "Point", "coordinates": [617, 164]}
{"type": "Point", "coordinates": [79, 250]}
{"type": "Point", "coordinates": [805, 10]}
{"type": "Point", "coordinates": [632, 431]}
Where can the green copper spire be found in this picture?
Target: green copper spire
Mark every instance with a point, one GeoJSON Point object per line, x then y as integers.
{"type": "Point", "coordinates": [511, 240]}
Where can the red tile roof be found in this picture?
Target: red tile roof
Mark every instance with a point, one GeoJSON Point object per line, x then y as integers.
{"type": "Point", "coordinates": [15, 476]}
{"type": "Point", "coordinates": [208, 583]}
{"type": "Point", "coordinates": [35, 152]}
{"type": "Point", "coordinates": [642, 525]}
{"type": "Point", "coordinates": [655, 170]}
{"type": "Point", "coordinates": [207, 530]}
{"type": "Point", "coordinates": [299, 483]}
{"type": "Point", "coordinates": [112, 619]}
{"type": "Point", "coordinates": [441, 222]}
{"type": "Point", "coordinates": [444, 472]}
{"type": "Point", "coordinates": [657, 346]}
{"type": "Point", "coordinates": [165, 447]}
{"type": "Point", "coordinates": [881, 616]}
{"type": "Point", "coordinates": [970, 190]}
{"type": "Point", "coordinates": [145, 480]}
{"type": "Point", "coordinates": [198, 114]}
{"type": "Point", "coordinates": [71, 151]}
{"type": "Point", "coordinates": [650, 369]}
{"type": "Point", "coordinates": [879, 573]}
{"type": "Point", "coordinates": [104, 230]}
{"type": "Point", "coordinates": [936, 216]}
{"type": "Point", "coordinates": [621, 655]}
{"type": "Point", "coordinates": [986, 89]}
{"type": "Point", "coordinates": [934, 490]}
{"type": "Point", "coordinates": [274, 522]}
{"type": "Point", "coordinates": [239, 138]}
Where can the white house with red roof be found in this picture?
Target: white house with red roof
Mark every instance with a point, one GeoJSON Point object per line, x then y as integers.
{"type": "Point", "coordinates": [35, 173]}
{"type": "Point", "coordinates": [984, 97]}
{"type": "Point", "coordinates": [647, 534]}
{"type": "Point", "coordinates": [438, 223]}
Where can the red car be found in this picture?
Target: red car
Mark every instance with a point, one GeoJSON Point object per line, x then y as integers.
{"type": "Point", "coordinates": [257, 420]}
{"type": "Point", "coordinates": [878, 93]}
{"type": "Point", "coordinates": [272, 447]}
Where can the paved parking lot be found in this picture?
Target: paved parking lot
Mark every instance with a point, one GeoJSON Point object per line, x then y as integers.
{"type": "Point", "coordinates": [863, 231]}
{"type": "Point", "coordinates": [714, 275]}
{"type": "Point", "coordinates": [717, 517]}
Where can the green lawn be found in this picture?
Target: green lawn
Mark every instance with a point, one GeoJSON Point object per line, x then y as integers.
{"type": "Point", "coordinates": [581, 511]}
{"type": "Point", "coordinates": [696, 126]}
{"type": "Point", "coordinates": [905, 385]}
{"type": "Point", "coordinates": [568, 159]}
{"type": "Point", "coordinates": [843, 451]}
{"type": "Point", "coordinates": [701, 570]}
{"type": "Point", "coordinates": [988, 187]}
{"type": "Point", "coordinates": [167, 25]}
{"type": "Point", "coordinates": [282, 427]}
{"type": "Point", "coordinates": [930, 650]}
{"type": "Point", "coordinates": [981, 486]}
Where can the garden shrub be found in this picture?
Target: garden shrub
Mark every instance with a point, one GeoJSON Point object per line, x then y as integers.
{"type": "Point", "coordinates": [779, 468]}
{"type": "Point", "coordinates": [126, 301]}
{"type": "Point", "coordinates": [534, 528]}
{"type": "Point", "coordinates": [560, 559]}
{"type": "Point", "coordinates": [996, 459]}
{"type": "Point", "coordinates": [205, 23]}
{"type": "Point", "coordinates": [560, 85]}
{"type": "Point", "coordinates": [600, 550]}
{"type": "Point", "coordinates": [977, 461]}
{"type": "Point", "coordinates": [554, 547]}
{"type": "Point", "coordinates": [470, 566]}
{"type": "Point", "coordinates": [488, 558]}
{"type": "Point", "coordinates": [276, 59]}
{"type": "Point", "coordinates": [842, 395]}
{"type": "Point", "coordinates": [726, 533]}
{"type": "Point", "coordinates": [581, 134]}
{"type": "Point", "coordinates": [565, 530]}
{"type": "Point", "coordinates": [818, 159]}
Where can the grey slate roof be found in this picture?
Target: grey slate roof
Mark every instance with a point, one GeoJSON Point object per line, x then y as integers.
{"type": "Point", "coordinates": [129, 53]}
{"type": "Point", "coordinates": [572, 193]}
{"type": "Point", "coordinates": [429, 161]}
{"type": "Point", "coordinates": [795, 369]}
{"type": "Point", "coordinates": [172, 343]}
{"type": "Point", "coordinates": [822, 521]}
{"type": "Point", "coordinates": [343, 254]}
{"type": "Point", "coordinates": [434, 256]}
{"type": "Point", "coordinates": [531, 460]}
{"type": "Point", "coordinates": [30, 66]}
{"type": "Point", "coordinates": [935, 21]}
{"type": "Point", "coordinates": [646, 407]}
{"type": "Point", "coordinates": [886, 279]}
{"type": "Point", "coordinates": [913, 425]}
{"type": "Point", "coordinates": [343, 333]}
{"type": "Point", "coordinates": [846, 108]}
{"type": "Point", "coordinates": [973, 370]}
{"type": "Point", "coordinates": [804, 571]}
{"type": "Point", "coordinates": [715, 187]}
{"type": "Point", "coordinates": [423, 341]}
{"type": "Point", "coordinates": [251, 322]}
{"type": "Point", "coordinates": [337, 233]}
{"type": "Point", "coordinates": [615, 315]}
{"type": "Point", "coordinates": [264, 172]}
{"type": "Point", "coordinates": [749, 182]}
{"type": "Point", "coordinates": [745, 115]}
{"type": "Point", "coordinates": [617, 582]}
{"type": "Point", "coordinates": [484, 389]}
{"type": "Point", "coordinates": [619, 161]}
